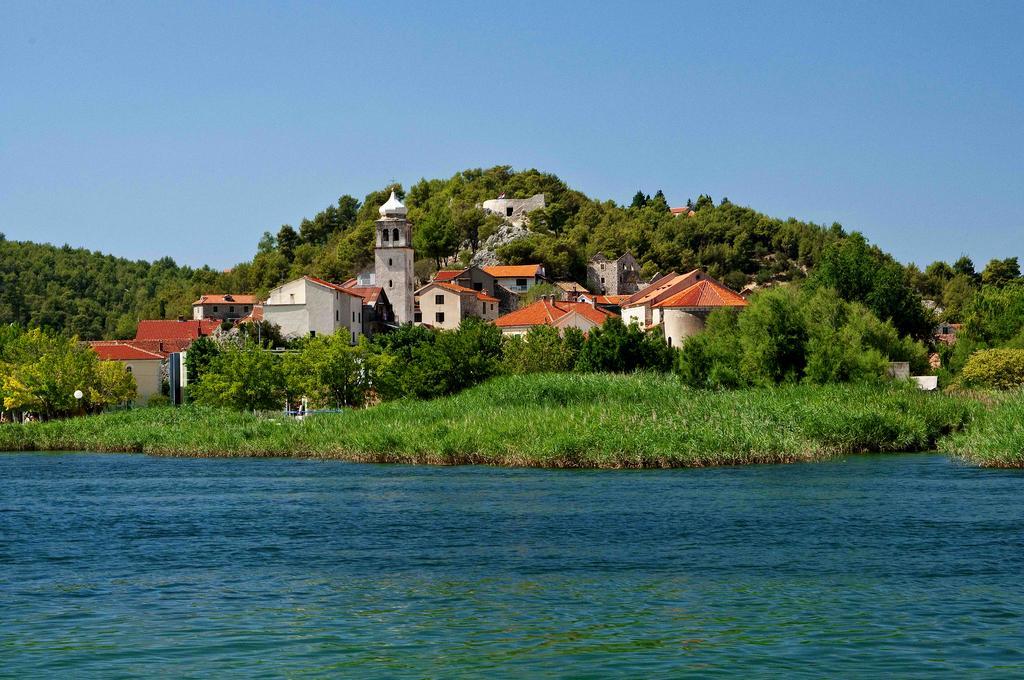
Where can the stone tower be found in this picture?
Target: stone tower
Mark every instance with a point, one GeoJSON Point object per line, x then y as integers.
{"type": "Point", "coordinates": [393, 258]}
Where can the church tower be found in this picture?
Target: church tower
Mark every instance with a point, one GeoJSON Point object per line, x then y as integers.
{"type": "Point", "coordinates": [393, 258]}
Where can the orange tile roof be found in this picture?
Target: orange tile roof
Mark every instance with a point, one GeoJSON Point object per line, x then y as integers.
{"type": "Point", "coordinates": [223, 300]}
{"type": "Point", "coordinates": [702, 295]}
{"type": "Point", "coordinates": [546, 312]}
{"type": "Point", "coordinates": [370, 294]}
{"type": "Point", "coordinates": [123, 351]}
{"type": "Point", "coordinates": [456, 288]}
{"type": "Point", "coordinates": [685, 210]}
{"type": "Point", "coordinates": [332, 286]}
{"type": "Point", "coordinates": [662, 288]}
{"type": "Point", "coordinates": [514, 270]}
{"type": "Point", "coordinates": [160, 329]}
{"type": "Point", "coordinates": [255, 315]}
{"type": "Point", "coordinates": [609, 299]}
{"type": "Point", "coordinates": [448, 274]}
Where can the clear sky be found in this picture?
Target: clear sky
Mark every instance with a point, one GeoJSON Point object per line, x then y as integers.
{"type": "Point", "coordinates": [187, 129]}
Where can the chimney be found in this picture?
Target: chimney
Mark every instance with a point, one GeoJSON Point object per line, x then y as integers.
{"type": "Point", "coordinates": [181, 318]}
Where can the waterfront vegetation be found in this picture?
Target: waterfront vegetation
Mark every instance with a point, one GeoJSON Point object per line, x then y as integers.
{"type": "Point", "coordinates": [545, 420]}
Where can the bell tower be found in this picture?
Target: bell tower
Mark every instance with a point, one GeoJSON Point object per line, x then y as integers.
{"type": "Point", "coordinates": [393, 258]}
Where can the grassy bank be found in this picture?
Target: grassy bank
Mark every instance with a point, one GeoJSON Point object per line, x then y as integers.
{"type": "Point", "coordinates": [995, 438]}
{"type": "Point", "coordinates": [548, 421]}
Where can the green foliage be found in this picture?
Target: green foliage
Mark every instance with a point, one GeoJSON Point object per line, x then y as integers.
{"type": "Point", "coordinates": [328, 371]}
{"type": "Point", "coordinates": [1001, 369]}
{"type": "Point", "coordinates": [995, 437]}
{"type": "Point", "coordinates": [541, 350]}
{"type": "Point", "coordinates": [41, 371]}
{"type": "Point", "coordinates": [995, 315]}
{"type": "Point", "coordinates": [539, 291]}
{"type": "Point", "coordinates": [998, 273]}
{"type": "Point", "coordinates": [615, 347]}
{"type": "Point", "coordinates": [795, 334]}
{"type": "Point", "coordinates": [862, 273]}
{"type": "Point", "coordinates": [550, 420]}
{"type": "Point", "coordinates": [242, 377]}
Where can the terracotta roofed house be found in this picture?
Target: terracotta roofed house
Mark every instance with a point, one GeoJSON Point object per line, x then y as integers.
{"type": "Point", "coordinates": [223, 307]}
{"type": "Point", "coordinates": [144, 365]}
{"type": "Point", "coordinates": [377, 312]}
{"type": "Point", "coordinates": [684, 313]}
{"type": "Point", "coordinates": [639, 308]}
{"type": "Point", "coordinates": [445, 305]}
{"type": "Point", "coordinates": [163, 336]}
{"type": "Point", "coordinates": [555, 313]}
{"type": "Point", "coordinates": [518, 278]}
{"type": "Point", "coordinates": [312, 306]}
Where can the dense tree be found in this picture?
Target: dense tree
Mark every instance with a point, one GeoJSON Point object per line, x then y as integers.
{"type": "Point", "coordinates": [243, 377]}
{"type": "Point", "coordinates": [1001, 272]}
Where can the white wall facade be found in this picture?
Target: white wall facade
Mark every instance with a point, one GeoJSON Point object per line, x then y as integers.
{"type": "Point", "coordinates": [679, 325]}
{"type": "Point", "coordinates": [303, 307]}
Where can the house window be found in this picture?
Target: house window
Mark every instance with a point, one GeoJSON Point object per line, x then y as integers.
{"type": "Point", "coordinates": [231, 309]}
{"type": "Point", "coordinates": [508, 211]}
{"type": "Point", "coordinates": [360, 317]}
{"type": "Point", "coordinates": [336, 317]}
{"type": "Point", "coordinates": [521, 283]}
{"type": "Point", "coordinates": [483, 307]}
{"type": "Point", "coordinates": [215, 308]}
{"type": "Point", "coordinates": [312, 334]}
{"type": "Point", "coordinates": [390, 284]}
{"type": "Point", "coordinates": [394, 235]}
{"type": "Point", "coordinates": [128, 368]}
{"type": "Point", "coordinates": [602, 279]}
{"type": "Point", "coordinates": [670, 341]}
{"type": "Point", "coordinates": [439, 299]}
{"type": "Point", "coordinates": [478, 286]}
{"type": "Point", "coordinates": [247, 310]}
{"type": "Point", "coordinates": [439, 317]}
{"type": "Point", "coordinates": [291, 298]}
{"type": "Point", "coordinates": [389, 262]}
{"type": "Point", "coordinates": [353, 317]}
{"type": "Point", "coordinates": [492, 306]}
{"type": "Point", "coordinates": [417, 317]}
{"type": "Point", "coordinates": [353, 337]}
{"type": "Point", "coordinates": [384, 235]}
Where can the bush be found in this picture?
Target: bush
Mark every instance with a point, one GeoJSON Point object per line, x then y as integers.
{"type": "Point", "coordinates": [1000, 369]}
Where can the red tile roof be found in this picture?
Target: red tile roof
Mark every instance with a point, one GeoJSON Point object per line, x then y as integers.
{"type": "Point", "coordinates": [332, 286]}
{"type": "Point", "coordinates": [448, 274]}
{"type": "Point", "coordinates": [664, 287]}
{"type": "Point", "coordinates": [175, 330]}
{"type": "Point", "coordinates": [462, 290]}
{"type": "Point", "coordinates": [370, 294]}
{"type": "Point", "coordinates": [685, 210]}
{"type": "Point", "coordinates": [546, 312]}
{"type": "Point", "coordinates": [255, 315]}
{"type": "Point", "coordinates": [224, 300]}
{"type": "Point", "coordinates": [702, 295]}
{"type": "Point", "coordinates": [515, 270]}
{"type": "Point", "coordinates": [123, 351]}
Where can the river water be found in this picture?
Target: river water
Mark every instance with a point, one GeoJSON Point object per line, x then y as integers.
{"type": "Point", "coordinates": [118, 565]}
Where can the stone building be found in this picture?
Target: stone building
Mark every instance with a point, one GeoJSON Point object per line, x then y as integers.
{"type": "Point", "coordinates": [223, 307]}
{"type": "Point", "coordinates": [393, 259]}
{"type": "Point", "coordinates": [613, 277]}
{"type": "Point", "coordinates": [513, 209]}
{"type": "Point", "coordinates": [684, 314]}
{"type": "Point", "coordinates": [446, 305]}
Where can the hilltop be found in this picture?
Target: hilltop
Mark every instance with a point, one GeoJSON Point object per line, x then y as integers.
{"type": "Point", "coordinates": [96, 295]}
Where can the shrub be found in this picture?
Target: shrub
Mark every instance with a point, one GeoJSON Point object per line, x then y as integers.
{"type": "Point", "coordinates": [1001, 369]}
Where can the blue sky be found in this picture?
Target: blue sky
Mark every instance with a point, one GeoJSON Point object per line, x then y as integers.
{"type": "Point", "coordinates": [188, 129]}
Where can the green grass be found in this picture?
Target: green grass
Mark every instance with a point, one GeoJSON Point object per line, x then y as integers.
{"type": "Point", "coordinates": [564, 420]}
{"type": "Point", "coordinates": [995, 438]}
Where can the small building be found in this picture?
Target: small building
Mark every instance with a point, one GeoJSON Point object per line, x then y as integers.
{"type": "Point", "coordinates": [145, 366]}
{"type": "Point", "coordinates": [226, 307]}
{"type": "Point", "coordinates": [683, 315]}
{"type": "Point", "coordinates": [518, 278]}
{"type": "Point", "coordinates": [620, 276]}
{"type": "Point", "coordinates": [513, 209]}
{"type": "Point", "coordinates": [472, 277]}
{"type": "Point", "coordinates": [684, 211]}
{"type": "Point", "coordinates": [310, 306]}
{"type": "Point", "coordinates": [378, 315]}
{"type": "Point", "coordinates": [946, 333]}
{"type": "Point", "coordinates": [609, 303]}
{"type": "Point", "coordinates": [555, 313]}
{"type": "Point", "coordinates": [446, 305]}
{"type": "Point", "coordinates": [640, 308]}
{"type": "Point", "coordinates": [570, 291]}
{"type": "Point", "coordinates": [166, 336]}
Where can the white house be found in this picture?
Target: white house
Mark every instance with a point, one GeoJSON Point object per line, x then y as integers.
{"type": "Point", "coordinates": [517, 278]}
{"type": "Point", "coordinates": [641, 307]}
{"type": "Point", "coordinates": [312, 306]}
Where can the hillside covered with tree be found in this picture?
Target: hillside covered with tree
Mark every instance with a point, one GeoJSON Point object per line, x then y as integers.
{"type": "Point", "coordinates": [94, 295]}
